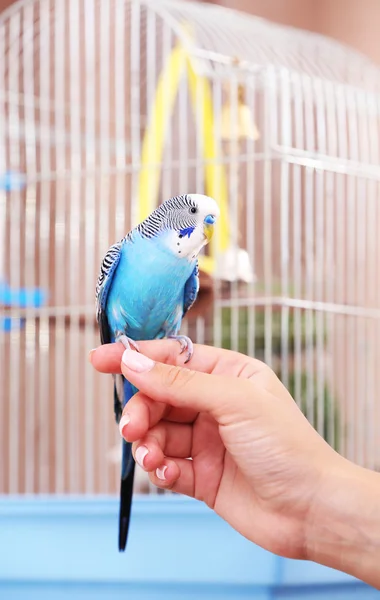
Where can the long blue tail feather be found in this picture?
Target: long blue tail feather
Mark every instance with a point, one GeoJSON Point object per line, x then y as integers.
{"type": "Point", "coordinates": [127, 477]}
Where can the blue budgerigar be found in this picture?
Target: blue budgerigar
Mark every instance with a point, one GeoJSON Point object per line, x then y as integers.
{"type": "Point", "coordinates": [147, 283]}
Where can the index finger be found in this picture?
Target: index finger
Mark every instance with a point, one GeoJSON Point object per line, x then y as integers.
{"type": "Point", "coordinates": [206, 359]}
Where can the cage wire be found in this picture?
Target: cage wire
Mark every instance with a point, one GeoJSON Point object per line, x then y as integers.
{"type": "Point", "coordinates": [106, 109]}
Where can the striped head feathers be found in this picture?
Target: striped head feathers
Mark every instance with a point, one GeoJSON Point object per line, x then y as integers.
{"type": "Point", "coordinates": [183, 223]}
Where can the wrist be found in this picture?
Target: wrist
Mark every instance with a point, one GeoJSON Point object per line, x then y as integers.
{"type": "Point", "coordinates": [343, 528]}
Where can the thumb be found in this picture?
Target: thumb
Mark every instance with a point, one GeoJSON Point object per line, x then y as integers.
{"type": "Point", "coordinates": [221, 396]}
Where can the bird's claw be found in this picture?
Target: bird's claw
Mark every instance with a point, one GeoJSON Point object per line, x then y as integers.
{"type": "Point", "coordinates": [127, 342]}
{"type": "Point", "coordinates": [186, 344]}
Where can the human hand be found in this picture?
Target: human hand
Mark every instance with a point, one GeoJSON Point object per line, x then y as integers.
{"type": "Point", "coordinates": [255, 458]}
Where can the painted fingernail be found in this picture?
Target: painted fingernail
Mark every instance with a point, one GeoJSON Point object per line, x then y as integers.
{"type": "Point", "coordinates": [141, 453]}
{"type": "Point", "coordinates": [90, 354]}
{"type": "Point", "coordinates": [160, 472]}
{"type": "Point", "coordinates": [123, 422]}
{"type": "Point", "coordinates": [137, 362]}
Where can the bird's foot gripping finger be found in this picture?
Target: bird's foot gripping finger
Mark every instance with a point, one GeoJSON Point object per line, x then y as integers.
{"type": "Point", "coordinates": [127, 342]}
{"type": "Point", "coordinates": [186, 344]}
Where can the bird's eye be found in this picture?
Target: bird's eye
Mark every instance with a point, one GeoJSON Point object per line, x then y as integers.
{"type": "Point", "coordinates": [193, 210]}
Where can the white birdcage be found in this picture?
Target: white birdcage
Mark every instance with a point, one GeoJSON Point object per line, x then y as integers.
{"type": "Point", "coordinates": [106, 108]}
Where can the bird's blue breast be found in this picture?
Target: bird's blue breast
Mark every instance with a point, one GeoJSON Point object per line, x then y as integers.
{"type": "Point", "coordinates": [145, 300]}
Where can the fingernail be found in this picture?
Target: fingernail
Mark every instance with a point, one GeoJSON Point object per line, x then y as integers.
{"type": "Point", "coordinates": [160, 472]}
{"type": "Point", "coordinates": [90, 354]}
{"type": "Point", "coordinates": [123, 422]}
{"type": "Point", "coordinates": [141, 453]}
{"type": "Point", "coordinates": [137, 362]}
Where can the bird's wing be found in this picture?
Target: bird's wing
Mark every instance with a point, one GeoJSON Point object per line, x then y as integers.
{"type": "Point", "coordinates": [107, 271]}
{"type": "Point", "coordinates": [191, 290]}
{"type": "Point", "coordinates": [189, 296]}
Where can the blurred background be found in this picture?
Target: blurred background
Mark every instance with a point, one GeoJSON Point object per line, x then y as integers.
{"type": "Point", "coordinates": [109, 107]}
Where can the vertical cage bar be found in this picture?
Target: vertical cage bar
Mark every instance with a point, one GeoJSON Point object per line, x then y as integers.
{"type": "Point", "coordinates": [167, 167]}
{"type": "Point", "coordinates": [119, 116]}
{"type": "Point", "coordinates": [199, 175]}
{"type": "Point", "coordinates": [89, 217]}
{"type": "Point", "coordinates": [218, 326]}
{"type": "Point", "coordinates": [352, 278]}
{"type": "Point", "coordinates": [341, 236]}
{"type": "Point", "coordinates": [330, 256]}
{"type": "Point", "coordinates": [298, 228]}
{"type": "Point", "coordinates": [183, 123]}
{"type": "Point", "coordinates": [47, 236]}
{"type": "Point", "coordinates": [320, 247]}
{"type": "Point", "coordinates": [199, 171]}
{"type": "Point", "coordinates": [375, 145]}
{"type": "Point", "coordinates": [372, 281]}
{"type": "Point", "coordinates": [73, 342]}
{"type": "Point", "coordinates": [183, 142]}
{"type": "Point", "coordinates": [30, 229]}
{"type": "Point", "coordinates": [234, 147]}
{"type": "Point", "coordinates": [251, 214]}
{"type": "Point", "coordinates": [136, 100]}
{"type": "Point", "coordinates": [286, 133]}
{"type": "Point", "coordinates": [3, 217]}
{"type": "Point", "coordinates": [13, 131]}
{"type": "Point", "coordinates": [151, 77]}
{"type": "Point", "coordinates": [309, 188]}
{"type": "Point", "coordinates": [105, 24]}
{"type": "Point", "coordinates": [363, 286]}
{"type": "Point", "coordinates": [270, 138]}
{"type": "Point", "coordinates": [61, 391]}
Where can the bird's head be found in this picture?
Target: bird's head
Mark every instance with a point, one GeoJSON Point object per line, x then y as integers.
{"type": "Point", "coordinates": [187, 223]}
